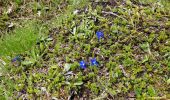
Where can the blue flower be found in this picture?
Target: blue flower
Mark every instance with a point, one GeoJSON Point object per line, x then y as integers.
{"type": "Point", "coordinates": [82, 64]}
{"type": "Point", "coordinates": [94, 62]}
{"type": "Point", "coordinates": [17, 58]}
{"type": "Point", "coordinates": [16, 61]}
{"type": "Point", "coordinates": [100, 34]}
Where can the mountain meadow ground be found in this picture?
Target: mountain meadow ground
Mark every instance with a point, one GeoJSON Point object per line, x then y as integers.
{"type": "Point", "coordinates": [84, 49]}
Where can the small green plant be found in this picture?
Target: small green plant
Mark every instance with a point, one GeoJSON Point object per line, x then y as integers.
{"type": "Point", "coordinates": [6, 84]}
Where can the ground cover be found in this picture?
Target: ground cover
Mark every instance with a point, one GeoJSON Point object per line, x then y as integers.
{"type": "Point", "coordinates": [125, 46]}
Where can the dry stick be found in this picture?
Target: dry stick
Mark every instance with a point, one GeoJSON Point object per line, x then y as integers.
{"type": "Point", "coordinates": [123, 71]}
{"type": "Point", "coordinates": [101, 97]}
{"type": "Point", "coordinates": [111, 13]}
{"type": "Point", "coordinates": [159, 98]}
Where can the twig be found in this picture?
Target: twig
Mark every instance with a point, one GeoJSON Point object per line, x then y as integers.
{"type": "Point", "coordinates": [111, 13]}
{"type": "Point", "coordinates": [123, 71]}
{"type": "Point", "coordinates": [103, 96]}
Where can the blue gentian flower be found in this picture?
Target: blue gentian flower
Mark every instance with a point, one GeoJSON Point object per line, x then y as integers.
{"type": "Point", "coordinates": [100, 34]}
{"type": "Point", "coordinates": [17, 58]}
{"type": "Point", "coordinates": [94, 62]}
{"type": "Point", "coordinates": [16, 61]}
{"type": "Point", "coordinates": [82, 64]}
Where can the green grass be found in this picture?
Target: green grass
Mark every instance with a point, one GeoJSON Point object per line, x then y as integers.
{"type": "Point", "coordinates": [20, 40]}
{"type": "Point", "coordinates": [134, 55]}
{"type": "Point", "coordinates": [6, 88]}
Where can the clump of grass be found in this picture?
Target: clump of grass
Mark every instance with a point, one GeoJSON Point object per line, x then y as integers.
{"type": "Point", "coordinates": [166, 4]}
{"type": "Point", "coordinates": [20, 40]}
{"type": "Point", "coordinates": [6, 88]}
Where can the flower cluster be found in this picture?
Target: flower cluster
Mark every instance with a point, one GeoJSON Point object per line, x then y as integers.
{"type": "Point", "coordinates": [93, 62]}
